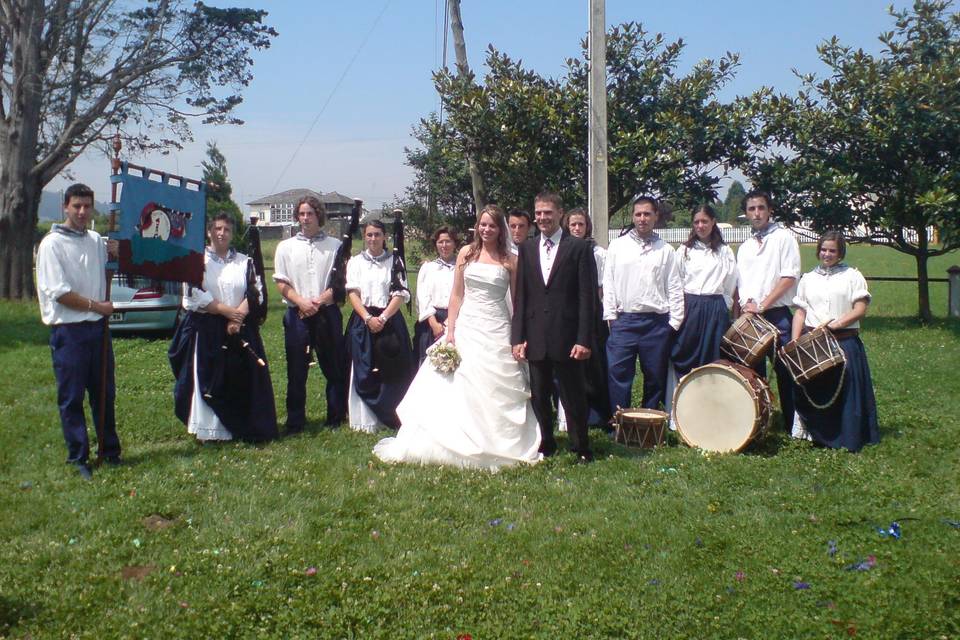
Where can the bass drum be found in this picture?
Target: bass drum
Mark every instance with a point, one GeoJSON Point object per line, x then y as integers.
{"type": "Point", "coordinates": [721, 407]}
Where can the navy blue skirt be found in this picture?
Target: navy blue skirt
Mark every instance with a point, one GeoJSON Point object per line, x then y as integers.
{"type": "Point", "coordinates": [232, 382]}
{"type": "Point", "coordinates": [423, 335]}
{"type": "Point", "coordinates": [851, 421]}
{"type": "Point", "coordinates": [383, 364]}
{"type": "Point", "coordinates": [705, 320]}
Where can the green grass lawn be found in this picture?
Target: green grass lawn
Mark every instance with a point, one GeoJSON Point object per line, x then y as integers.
{"type": "Point", "coordinates": [311, 538]}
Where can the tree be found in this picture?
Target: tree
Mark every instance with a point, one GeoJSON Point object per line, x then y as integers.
{"type": "Point", "coordinates": [219, 192]}
{"type": "Point", "coordinates": [872, 148]}
{"type": "Point", "coordinates": [440, 193]}
{"type": "Point", "coordinates": [732, 204]}
{"type": "Point", "coordinates": [668, 134]}
{"type": "Point", "coordinates": [74, 72]}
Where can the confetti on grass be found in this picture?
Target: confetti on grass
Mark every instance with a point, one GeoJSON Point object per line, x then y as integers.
{"type": "Point", "coordinates": [893, 531]}
{"type": "Point", "coordinates": [863, 565]}
{"type": "Point", "coordinates": [831, 548]}
{"type": "Point", "coordinates": [801, 586]}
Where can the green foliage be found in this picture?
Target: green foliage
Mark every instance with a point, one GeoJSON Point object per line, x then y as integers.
{"type": "Point", "coordinates": [219, 192]}
{"type": "Point", "coordinates": [872, 147]}
{"type": "Point", "coordinates": [667, 134]}
{"type": "Point", "coordinates": [637, 545]}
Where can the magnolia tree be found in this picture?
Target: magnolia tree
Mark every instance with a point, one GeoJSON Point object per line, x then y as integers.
{"type": "Point", "coordinates": [668, 134]}
{"type": "Point", "coordinates": [874, 147]}
{"type": "Point", "coordinates": [76, 72]}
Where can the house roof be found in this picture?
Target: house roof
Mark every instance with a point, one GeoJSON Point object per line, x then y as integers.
{"type": "Point", "coordinates": [292, 195]}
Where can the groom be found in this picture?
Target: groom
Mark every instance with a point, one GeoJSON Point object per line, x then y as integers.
{"type": "Point", "coordinates": [553, 322]}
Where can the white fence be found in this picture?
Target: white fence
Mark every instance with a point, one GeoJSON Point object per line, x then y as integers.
{"type": "Point", "coordinates": [736, 235]}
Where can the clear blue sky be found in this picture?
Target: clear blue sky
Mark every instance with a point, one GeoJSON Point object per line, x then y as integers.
{"type": "Point", "coordinates": [357, 145]}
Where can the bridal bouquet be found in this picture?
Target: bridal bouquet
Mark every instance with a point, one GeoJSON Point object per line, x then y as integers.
{"type": "Point", "coordinates": [444, 357]}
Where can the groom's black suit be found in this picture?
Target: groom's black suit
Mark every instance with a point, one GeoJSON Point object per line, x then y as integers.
{"type": "Point", "coordinates": [551, 318]}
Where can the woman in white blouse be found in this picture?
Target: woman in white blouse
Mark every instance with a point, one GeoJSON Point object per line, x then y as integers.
{"type": "Point", "coordinates": [223, 388]}
{"type": "Point", "coordinates": [434, 283]}
{"type": "Point", "coordinates": [709, 273]}
{"type": "Point", "coordinates": [836, 295]}
{"type": "Point", "coordinates": [377, 337]}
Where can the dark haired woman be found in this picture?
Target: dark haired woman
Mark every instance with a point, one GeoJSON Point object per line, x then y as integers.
{"type": "Point", "coordinates": [838, 408]}
{"type": "Point", "coordinates": [434, 283]}
{"type": "Point", "coordinates": [577, 222]}
{"type": "Point", "coordinates": [223, 389]}
{"type": "Point", "coordinates": [377, 335]}
{"type": "Point", "coordinates": [709, 273]}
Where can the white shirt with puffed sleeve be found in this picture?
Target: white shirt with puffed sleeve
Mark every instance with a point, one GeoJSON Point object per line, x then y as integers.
{"type": "Point", "coordinates": [70, 261]}
{"type": "Point", "coordinates": [599, 256]}
{"type": "Point", "coordinates": [761, 264]}
{"type": "Point", "coordinates": [370, 277]}
{"type": "Point", "coordinates": [642, 277]}
{"type": "Point", "coordinates": [305, 264]}
{"type": "Point", "coordinates": [707, 272]}
{"type": "Point", "coordinates": [827, 294]}
{"type": "Point", "coordinates": [224, 280]}
{"type": "Point", "coordinates": [434, 284]}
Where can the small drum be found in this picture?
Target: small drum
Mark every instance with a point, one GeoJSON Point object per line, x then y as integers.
{"type": "Point", "coordinates": [812, 354]}
{"type": "Point", "coordinates": [748, 339]}
{"type": "Point", "coordinates": [721, 407]}
{"type": "Point", "coordinates": [644, 428]}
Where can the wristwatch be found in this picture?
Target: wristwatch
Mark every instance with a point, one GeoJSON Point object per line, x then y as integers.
{"type": "Point", "coordinates": [760, 307]}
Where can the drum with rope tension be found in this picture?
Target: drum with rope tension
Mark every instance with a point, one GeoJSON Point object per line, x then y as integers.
{"type": "Point", "coordinates": [749, 339]}
{"type": "Point", "coordinates": [644, 428]}
{"type": "Point", "coordinates": [721, 407]}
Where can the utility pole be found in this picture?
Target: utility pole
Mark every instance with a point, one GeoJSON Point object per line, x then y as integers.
{"type": "Point", "coordinates": [597, 123]}
{"type": "Point", "coordinates": [463, 72]}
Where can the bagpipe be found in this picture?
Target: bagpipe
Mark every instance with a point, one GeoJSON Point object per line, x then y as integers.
{"type": "Point", "coordinates": [338, 275]}
{"type": "Point", "coordinates": [398, 277]}
{"type": "Point", "coordinates": [256, 296]}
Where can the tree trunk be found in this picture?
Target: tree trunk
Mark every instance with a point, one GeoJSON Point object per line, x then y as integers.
{"type": "Point", "coordinates": [463, 71]}
{"type": "Point", "coordinates": [20, 186]}
{"type": "Point", "coordinates": [18, 224]}
{"type": "Point", "coordinates": [923, 283]}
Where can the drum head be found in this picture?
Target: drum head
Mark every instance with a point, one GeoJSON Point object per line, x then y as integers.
{"type": "Point", "coordinates": [715, 409]}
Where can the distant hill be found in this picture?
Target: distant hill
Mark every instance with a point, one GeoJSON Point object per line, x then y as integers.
{"type": "Point", "coordinates": [51, 206]}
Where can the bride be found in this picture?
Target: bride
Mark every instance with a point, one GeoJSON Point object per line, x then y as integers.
{"type": "Point", "coordinates": [480, 415]}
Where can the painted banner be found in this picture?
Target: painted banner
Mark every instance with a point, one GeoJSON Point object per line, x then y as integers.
{"type": "Point", "coordinates": [162, 225]}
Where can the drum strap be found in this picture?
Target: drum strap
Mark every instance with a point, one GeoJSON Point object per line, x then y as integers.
{"type": "Point", "coordinates": [833, 398]}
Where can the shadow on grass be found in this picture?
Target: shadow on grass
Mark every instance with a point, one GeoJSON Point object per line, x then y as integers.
{"type": "Point", "coordinates": [17, 331]}
{"type": "Point", "coordinates": [902, 324]}
{"type": "Point", "coordinates": [15, 612]}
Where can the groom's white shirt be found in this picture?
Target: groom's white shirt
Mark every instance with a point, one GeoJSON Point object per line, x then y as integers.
{"type": "Point", "coordinates": [546, 259]}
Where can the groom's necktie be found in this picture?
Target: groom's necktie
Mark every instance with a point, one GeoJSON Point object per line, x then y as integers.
{"type": "Point", "coordinates": [549, 243]}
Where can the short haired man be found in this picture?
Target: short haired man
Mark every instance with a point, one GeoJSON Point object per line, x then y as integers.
{"type": "Point", "coordinates": [519, 223]}
{"type": "Point", "coordinates": [768, 268]}
{"type": "Point", "coordinates": [303, 266]}
{"type": "Point", "coordinates": [643, 301]}
{"type": "Point", "coordinates": [71, 287]}
{"type": "Point", "coordinates": [553, 326]}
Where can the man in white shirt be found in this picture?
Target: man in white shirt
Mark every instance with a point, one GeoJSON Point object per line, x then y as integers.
{"type": "Point", "coordinates": [313, 324]}
{"type": "Point", "coordinates": [71, 287]}
{"type": "Point", "coordinates": [643, 302]}
{"type": "Point", "coordinates": [768, 268]}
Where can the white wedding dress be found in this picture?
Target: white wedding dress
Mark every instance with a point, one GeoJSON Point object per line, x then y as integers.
{"type": "Point", "coordinates": [480, 415]}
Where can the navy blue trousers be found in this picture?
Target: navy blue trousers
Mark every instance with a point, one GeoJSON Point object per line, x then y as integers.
{"type": "Point", "coordinates": [649, 337]}
{"type": "Point", "coordinates": [320, 335]}
{"type": "Point", "coordinates": [783, 320]}
{"type": "Point", "coordinates": [77, 351]}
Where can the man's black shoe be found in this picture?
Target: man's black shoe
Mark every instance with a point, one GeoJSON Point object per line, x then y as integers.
{"type": "Point", "coordinates": [583, 458]}
{"type": "Point", "coordinates": [113, 461]}
{"type": "Point", "coordinates": [84, 470]}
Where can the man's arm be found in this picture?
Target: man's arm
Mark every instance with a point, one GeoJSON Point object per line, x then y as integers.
{"type": "Point", "coordinates": [77, 302]}
{"type": "Point", "coordinates": [518, 332]}
{"type": "Point", "coordinates": [586, 301]}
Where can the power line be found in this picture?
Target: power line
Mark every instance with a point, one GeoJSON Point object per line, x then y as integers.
{"type": "Point", "coordinates": [333, 92]}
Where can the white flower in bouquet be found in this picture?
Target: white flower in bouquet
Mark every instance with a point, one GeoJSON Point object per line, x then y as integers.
{"type": "Point", "coordinates": [444, 357]}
